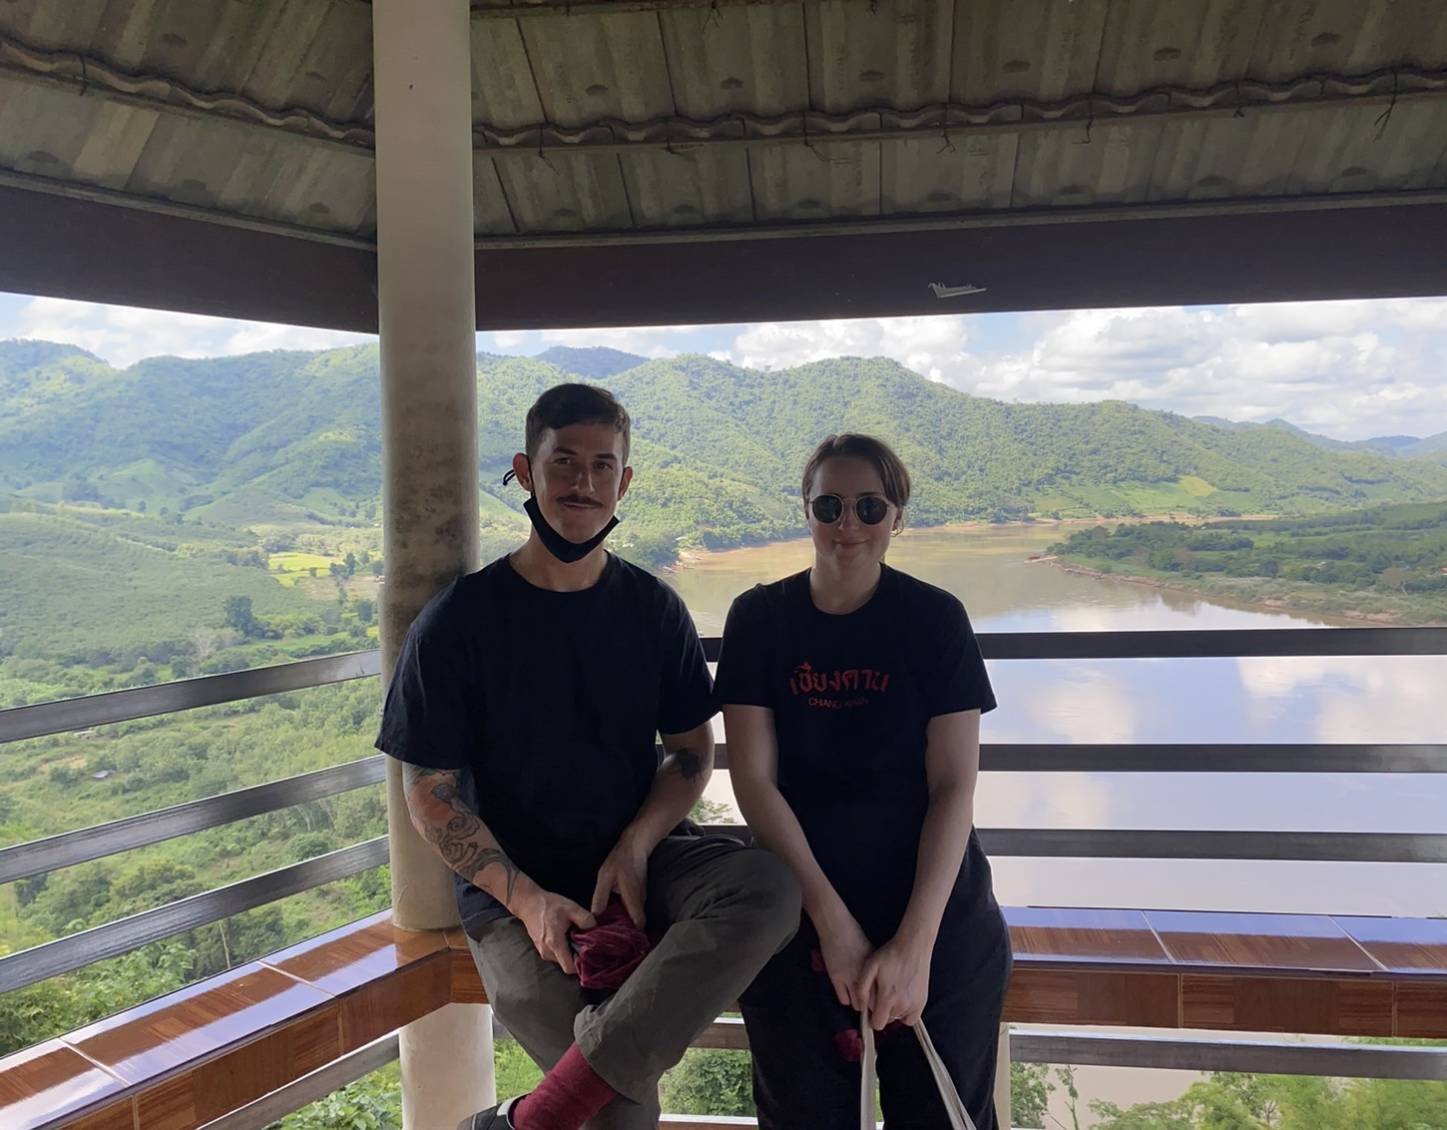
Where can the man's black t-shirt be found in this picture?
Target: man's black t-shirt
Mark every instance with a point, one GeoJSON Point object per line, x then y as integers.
{"type": "Point", "coordinates": [551, 703]}
{"type": "Point", "coordinates": [852, 696]}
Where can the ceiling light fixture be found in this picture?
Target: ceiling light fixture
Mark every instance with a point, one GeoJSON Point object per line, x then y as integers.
{"type": "Point", "coordinates": [943, 291]}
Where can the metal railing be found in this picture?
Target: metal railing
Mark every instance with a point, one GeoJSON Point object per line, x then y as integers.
{"type": "Point", "coordinates": [1338, 1060]}
{"type": "Point", "coordinates": [114, 938]}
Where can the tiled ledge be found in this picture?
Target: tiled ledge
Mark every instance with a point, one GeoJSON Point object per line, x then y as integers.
{"type": "Point", "coordinates": [198, 1053]}
{"type": "Point", "coordinates": [184, 1059]}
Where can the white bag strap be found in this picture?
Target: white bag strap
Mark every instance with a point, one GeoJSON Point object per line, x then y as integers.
{"type": "Point", "coordinates": [954, 1106]}
{"type": "Point", "coordinates": [866, 1076]}
{"type": "Point", "coordinates": [959, 1117]}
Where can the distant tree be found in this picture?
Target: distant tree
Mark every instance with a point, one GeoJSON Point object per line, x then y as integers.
{"type": "Point", "coordinates": [240, 616]}
{"type": "Point", "coordinates": [1066, 1078]}
{"type": "Point", "coordinates": [77, 488]}
{"type": "Point", "coordinates": [1174, 1115]}
{"type": "Point", "coordinates": [1029, 1094]}
{"type": "Point", "coordinates": [350, 562]}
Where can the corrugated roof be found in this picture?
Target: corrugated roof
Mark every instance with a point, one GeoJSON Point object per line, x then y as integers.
{"type": "Point", "coordinates": [667, 114]}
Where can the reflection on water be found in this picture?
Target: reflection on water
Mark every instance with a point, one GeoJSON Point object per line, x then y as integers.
{"type": "Point", "coordinates": [1378, 699]}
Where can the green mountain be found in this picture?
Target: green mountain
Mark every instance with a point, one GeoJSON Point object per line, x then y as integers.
{"type": "Point", "coordinates": [1408, 446]}
{"type": "Point", "coordinates": [595, 363]}
{"type": "Point", "coordinates": [286, 438]}
{"type": "Point", "coordinates": [1432, 446]}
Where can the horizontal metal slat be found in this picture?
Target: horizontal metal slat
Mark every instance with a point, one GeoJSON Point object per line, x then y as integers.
{"type": "Point", "coordinates": [272, 1108]}
{"type": "Point", "coordinates": [1270, 1057]}
{"type": "Point", "coordinates": [1201, 644]}
{"type": "Point", "coordinates": [1183, 1053]}
{"type": "Point", "coordinates": [1132, 843]}
{"type": "Point", "coordinates": [100, 942]}
{"type": "Point", "coordinates": [1100, 843]}
{"type": "Point", "coordinates": [1215, 758]}
{"type": "Point", "coordinates": [1234, 643]}
{"type": "Point", "coordinates": [21, 722]}
{"type": "Point", "coordinates": [100, 840]}
{"type": "Point", "coordinates": [1201, 758]}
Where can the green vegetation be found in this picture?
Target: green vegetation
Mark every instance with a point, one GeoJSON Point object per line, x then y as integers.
{"type": "Point", "coordinates": [54, 784]}
{"type": "Point", "coordinates": [1286, 1102]}
{"type": "Point", "coordinates": [1384, 560]}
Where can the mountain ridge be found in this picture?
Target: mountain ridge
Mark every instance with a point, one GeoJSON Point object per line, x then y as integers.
{"type": "Point", "coordinates": [278, 438]}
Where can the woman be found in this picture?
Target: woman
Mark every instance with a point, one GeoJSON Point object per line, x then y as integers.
{"type": "Point", "coordinates": [852, 696]}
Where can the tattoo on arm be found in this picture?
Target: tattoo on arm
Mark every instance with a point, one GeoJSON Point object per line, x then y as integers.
{"type": "Point", "coordinates": [691, 763]}
{"type": "Point", "coordinates": [453, 828]}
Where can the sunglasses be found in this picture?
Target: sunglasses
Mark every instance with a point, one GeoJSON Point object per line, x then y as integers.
{"type": "Point", "coordinates": [868, 508]}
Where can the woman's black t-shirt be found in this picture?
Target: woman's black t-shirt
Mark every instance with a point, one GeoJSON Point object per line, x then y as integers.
{"type": "Point", "coordinates": [852, 696]}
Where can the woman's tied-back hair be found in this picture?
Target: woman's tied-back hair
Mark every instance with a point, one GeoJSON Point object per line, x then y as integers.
{"type": "Point", "coordinates": [851, 445]}
{"type": "Point", "coordinates": [564, 405]}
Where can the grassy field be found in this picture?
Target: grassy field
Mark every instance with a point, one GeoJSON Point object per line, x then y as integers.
{"type": "Point", "coordinates": [290, 567]}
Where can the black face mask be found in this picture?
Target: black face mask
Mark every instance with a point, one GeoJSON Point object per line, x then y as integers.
{"type": "Point", "coordinates": [560, 547]}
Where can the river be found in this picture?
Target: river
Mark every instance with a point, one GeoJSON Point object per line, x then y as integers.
{"type": "Point", "coordinates": [1391, 699]}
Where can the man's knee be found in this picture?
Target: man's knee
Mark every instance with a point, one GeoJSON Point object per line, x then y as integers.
{"type": "Point", "coordinates": [768, 887]}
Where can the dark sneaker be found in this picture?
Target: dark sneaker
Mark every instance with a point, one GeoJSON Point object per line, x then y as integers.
{"type": "Point", "coordinates": [493, 1118]}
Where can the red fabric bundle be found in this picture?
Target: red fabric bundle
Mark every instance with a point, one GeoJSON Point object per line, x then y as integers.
{"type": "Point", "coordinates": [606, 954]}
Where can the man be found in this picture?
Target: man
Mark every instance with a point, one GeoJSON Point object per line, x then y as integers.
{"type": "Point", "coordinates": [526, 704]}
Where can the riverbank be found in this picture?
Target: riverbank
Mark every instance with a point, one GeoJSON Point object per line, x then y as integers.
{"type": "Point", "coordinates": [694, 556]}
{"type": "Point", "coordinates": [1030, 542]}
{"type": "Point", "coordinates": [1404, 611]}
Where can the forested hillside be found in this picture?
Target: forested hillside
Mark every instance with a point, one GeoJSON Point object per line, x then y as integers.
{"type": "Point", "coordinates": [277, 438]}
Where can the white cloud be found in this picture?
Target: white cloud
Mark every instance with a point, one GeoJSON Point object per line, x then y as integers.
{"type": "Point", "coordinates": [126, 334]}
{"type": "Point", "coordinates": [1346, 369]}
{"type": "Point", "coordinates": [931, 346]}
{"type": "Point", "coordinates": [1404, 693]}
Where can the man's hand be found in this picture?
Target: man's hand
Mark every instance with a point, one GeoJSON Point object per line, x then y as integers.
{"type": "Point", "coordinates": [548, 918]}
{"type": "Point", "coordinates": [895, 982]}
{"type": "Point", "coordinates": [625, 871]}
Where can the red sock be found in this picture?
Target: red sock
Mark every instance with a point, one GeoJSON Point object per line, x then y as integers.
{"type": "Point", "coordinates": [569, 1095]}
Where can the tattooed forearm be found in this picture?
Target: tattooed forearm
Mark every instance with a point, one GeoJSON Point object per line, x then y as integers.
{"type": "Point", "coordinates": [439, 813]}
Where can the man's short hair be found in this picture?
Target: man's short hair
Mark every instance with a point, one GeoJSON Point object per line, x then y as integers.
{"type": "Point", "coordinates": [564, 405]}
{"type": "Point", "coordinates": [851, 445]}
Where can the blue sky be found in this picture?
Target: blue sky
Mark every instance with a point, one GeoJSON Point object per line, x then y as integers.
{"type": "Point", "coordinates": [1348, 369]}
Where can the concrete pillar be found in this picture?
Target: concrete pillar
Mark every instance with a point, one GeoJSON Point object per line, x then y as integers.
{"type": "Point", "coordinates": [423, 96]}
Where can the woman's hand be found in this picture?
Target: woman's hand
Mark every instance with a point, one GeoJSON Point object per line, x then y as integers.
{"type": "Point", "coordinates": [894, 984]}
{"type": "Point", "coordinates": [845, 950]}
